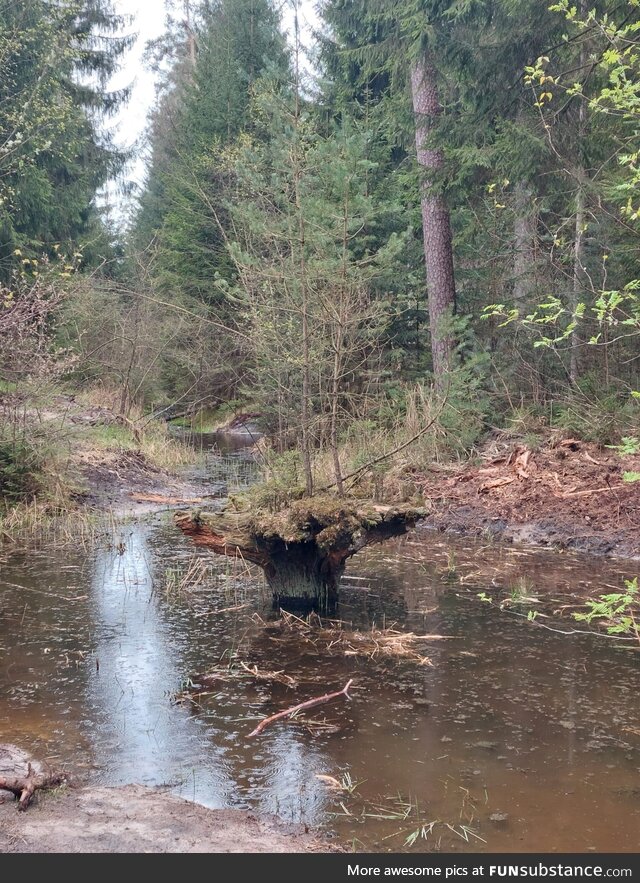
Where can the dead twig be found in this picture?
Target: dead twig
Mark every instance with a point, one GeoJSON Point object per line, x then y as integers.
{"type": "Point", "coordinates": [382, 457]}
{"type": "Point", "coordinates": [597, 490]}
{"type": "Point", "coordinates": [302, 706]}
{"type": "Point", "coordinates": [278, 676]}
{"type": "Point", "coordinates": [499, 482]}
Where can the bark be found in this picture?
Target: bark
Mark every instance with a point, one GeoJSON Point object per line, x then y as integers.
{"type": "Point", "coordinates": [338, 341]}
{"type": "Point", "coordinates": [333, 433]}
{"type": "Point", "coordinates": [578, 251]}
{"type": "Point", "coordinates": [578, 257]}
{"type": "Point", "coordinates": [23, 776]}
{"type": "Point", "coordinates": [191, 38]}
{"type": "Point", "coordinates": [436, 223]}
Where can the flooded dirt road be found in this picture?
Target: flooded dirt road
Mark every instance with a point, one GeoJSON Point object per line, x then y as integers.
{"type": "Point", "coordinates": [516, 738]}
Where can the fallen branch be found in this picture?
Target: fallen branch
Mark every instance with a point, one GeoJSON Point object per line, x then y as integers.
{"type": "Point", "coordinates": [310, 703]}
{"type": "Point", "coordinates": [24, 787]}
{"type": "Point", "coordinates": [597, 490]}
{"type": "Point", "coordinates": [499, 482]}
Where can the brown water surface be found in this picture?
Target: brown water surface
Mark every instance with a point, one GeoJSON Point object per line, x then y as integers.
{"type": "Point", "coordinates": [517, 738]}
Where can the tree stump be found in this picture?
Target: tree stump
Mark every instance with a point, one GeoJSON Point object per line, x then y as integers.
{"type": "Point", "coordinates": [302, 549]}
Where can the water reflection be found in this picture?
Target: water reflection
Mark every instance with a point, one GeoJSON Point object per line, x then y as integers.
{"type": "Point", "coordinates": [139, 660]}
{"type": "Point", "coordinates": [525, 738]}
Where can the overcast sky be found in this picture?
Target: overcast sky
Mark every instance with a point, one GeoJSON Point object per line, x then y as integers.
{"type": "Point", "coordinates": [149, 22]}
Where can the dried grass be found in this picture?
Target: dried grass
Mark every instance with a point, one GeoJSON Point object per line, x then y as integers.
{"type": "Point", "coordinates": [207, 684]}
{"type": "Point", "coordinates": [338, 640]}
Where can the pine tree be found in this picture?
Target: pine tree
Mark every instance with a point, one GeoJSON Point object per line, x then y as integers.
{"type": "Point", "coordinates": [300, 209]}
{"type": "Point", "coordinates": [395, 49]}
{"type": "Point", "coordinates": [206, 108]}
{"type": "Point", "coordinates": [56, 60]}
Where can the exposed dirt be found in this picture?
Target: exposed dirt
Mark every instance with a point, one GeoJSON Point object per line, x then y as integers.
{"type": "Point", "coordinates": [126, 482]}
{"type": "Point", "coordinates": [569, 494]}
{"type": "Point", "coordinates": [132, 818]}
{"type": "Point", "coordinates": [116, 478]}
{"type": "Point", "coordinates": [139, 819]}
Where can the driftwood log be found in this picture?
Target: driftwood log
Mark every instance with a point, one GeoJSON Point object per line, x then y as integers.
{"type": "Point", "coordinates": [23, 776]}
{"type": "Point", "coordinates": [302, 549]}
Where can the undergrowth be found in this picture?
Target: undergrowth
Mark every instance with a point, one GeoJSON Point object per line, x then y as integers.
{"type": "Point", "coordinates": [47, 436]}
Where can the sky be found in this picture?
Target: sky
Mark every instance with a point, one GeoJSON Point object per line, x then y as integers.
{"type": "Point", "coordinates": [128, 127]}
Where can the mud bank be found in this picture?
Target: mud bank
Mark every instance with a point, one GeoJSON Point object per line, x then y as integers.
{"type": "Point", "coordinates": [569, 495]}
{"type": "Point", "coordinates": [139, 819]}
{"type": "Point", "coordinates": [126, 483]}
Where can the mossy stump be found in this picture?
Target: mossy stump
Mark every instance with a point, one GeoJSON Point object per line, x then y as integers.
{"type": "Point", "coordinates": [302, 549]}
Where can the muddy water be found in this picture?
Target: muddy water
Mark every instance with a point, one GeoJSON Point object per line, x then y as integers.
{"type": "Point", "coordinates": [516, 738]}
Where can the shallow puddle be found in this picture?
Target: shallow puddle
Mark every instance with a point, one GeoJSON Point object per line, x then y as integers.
{"type": "Point", "coordinates": [516, 738]}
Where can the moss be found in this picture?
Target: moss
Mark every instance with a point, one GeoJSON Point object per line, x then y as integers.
{"type": "Point", "coordinates": [328, 521]}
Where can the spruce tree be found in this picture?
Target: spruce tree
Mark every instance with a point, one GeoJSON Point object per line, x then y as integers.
{"type": "Point", "coordinates": [204, 110]}
{"type": "Point", "coordinates": [56, 61]}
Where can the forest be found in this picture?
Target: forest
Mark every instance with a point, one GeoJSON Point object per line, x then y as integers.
{"type": "Point", "coordinates": [383, 270]}
{"type": "Point", "coordinates": [437, 215]}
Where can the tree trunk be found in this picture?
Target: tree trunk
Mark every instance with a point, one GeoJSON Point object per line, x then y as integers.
{"type": "Point", "coordinates": [436, 224]}
{"type": "Point", "coordinates": [574, 369]}
{"type": "Point", "coordinates": [578, 248]}
{"type": "Point", "coordinates": [333, 432]}
{"type": "Point", "coordinates": [302, 550]}
{"type": "Point", "coordinates": [306, 362]}
{"type": "Point", "coordinates": [191, 39]}
{"type": "Point", "coordinates": [524, 230]}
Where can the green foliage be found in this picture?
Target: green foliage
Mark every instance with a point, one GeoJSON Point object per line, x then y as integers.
{"type": "Point", "coordinates": [308, 270]}
{"type": "Point", "coordinates": [20, 465]}
{"type": "Point", "coordinates": [628, 446]}
{"type": "Point", "coordinates": [56, 59]}
{"type": "Point", "coordinates": [597, 141]}
{"type": "Point", "coordinates": [596, 412]}
{"type": "Point", "coordinates": [283, 482]}
{"type": "Point", "coordinates": [538, 131]}
{"type": "Point", "coordinates": [469, 408]}
{"type": "Point", "coordinates": [207, 106]}
{"type": "Point", "coordinates": [617, 610]}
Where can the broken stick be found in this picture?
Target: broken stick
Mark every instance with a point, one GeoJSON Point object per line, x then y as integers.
{"type": "Point", "coordinates": [310, 703]}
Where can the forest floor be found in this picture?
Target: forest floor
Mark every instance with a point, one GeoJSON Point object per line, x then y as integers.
{"type": "Point", "coordinates": [134, 818]}
{"type": "Point", "coordinates": [567, 494]}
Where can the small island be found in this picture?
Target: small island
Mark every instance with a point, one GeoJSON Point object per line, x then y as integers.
{"type": "Point", "coordinates": [302, 549]}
